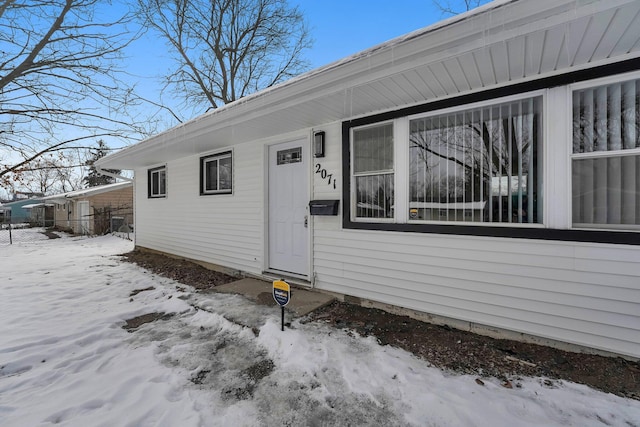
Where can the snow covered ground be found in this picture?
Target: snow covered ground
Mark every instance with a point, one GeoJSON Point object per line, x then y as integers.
{"type": "Point", "coordinates": [65, 359]}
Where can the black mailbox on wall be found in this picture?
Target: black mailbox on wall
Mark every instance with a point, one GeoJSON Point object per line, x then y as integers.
{"type": "Point", "coordinates": [324, 207]}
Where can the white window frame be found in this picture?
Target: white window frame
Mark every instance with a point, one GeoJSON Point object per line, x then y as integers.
{"type": "Point", "coordinates": [353, 187]}
{"type": "Point", "coordinates": [150, 176]}
{"type": "Point", "coordinates": [401, 133]}
{"type": "Point", "coordinates": [571, 156]}
{"type": "Point", "coordinates": [215, 157]}
{"type": "Point", "coordinates": [542, 94]}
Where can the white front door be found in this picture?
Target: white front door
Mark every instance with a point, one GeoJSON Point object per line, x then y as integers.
{"type": "Point", "coordinates": [288, 212]}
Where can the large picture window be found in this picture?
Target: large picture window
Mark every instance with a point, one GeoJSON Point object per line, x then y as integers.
{"type": "Point", "coordinates": [216, 174]}
{"type": "Point", "coordinates": [606, 156]}
{"type": "Point", "coordinates": [555, 158]}
{"type": "Point", "coordinates": [157, 182]}
{"type": "Point", "coordinates": [477, 165]}
{"type": "Point", "coordinates": [373, 172]}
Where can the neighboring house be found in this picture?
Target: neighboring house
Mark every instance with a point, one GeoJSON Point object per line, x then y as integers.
{"type": "Point", "coordinates": [5, 214]}
{"type": "Point", "coordinates": [487, 170]}
{"type": "Point", "coordinates": [20, 211]}
{"type": "Point", "coordinates": [40, 213]}
{"type": "Point", "coordinates": [94, 210]}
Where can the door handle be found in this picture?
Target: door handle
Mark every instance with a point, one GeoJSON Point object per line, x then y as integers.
{"type": "Point", "coordinates": [306, 221]}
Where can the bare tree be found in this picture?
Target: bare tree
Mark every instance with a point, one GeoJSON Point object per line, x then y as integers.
{"type": "Point", "coordinates": [72, 178]}
{"type": "Point", "coordinates": [456, 7]}
{"type": "Point", "coordinates": [42, 178]}
{"type": "Point", "coordinates": [226, 49]}
{"type": "Point", "coordinates": [59, 82]}
{"type": "Point", "coordinates": [52, 173]}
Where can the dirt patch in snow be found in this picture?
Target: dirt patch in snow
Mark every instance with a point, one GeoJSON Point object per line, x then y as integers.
{"type": "Point", "coordinates": [469, 353]}
{"type": "Point", "coordinates": [245, 384]}
{"type": "Point", "coordinates": [137, 291]}
{"type": "Point", "coordinates": [180, 270]}
{"type": "Point", "coordinates": [442, 346]}
{"type": "Point", "coordinates": [135, 322]}
{"type": "Point", "coordinates": [50, 234]}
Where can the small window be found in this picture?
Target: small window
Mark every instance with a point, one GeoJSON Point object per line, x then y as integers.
{"type": "Point", "coordinates": [157, 180]}
{"type": "Point", "coordinates": [373, 172]}
{"type": "Point", "coordinates": [292, 155]}
{"type": "Point", "coordinates": [606, 156]}
{"type": "Point", "coordinates": [216, 174]}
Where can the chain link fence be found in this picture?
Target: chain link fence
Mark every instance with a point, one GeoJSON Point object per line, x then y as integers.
{"type": "Point", "coordinates": [23, 230]}
{"type": "Point", "coordinates": [102, 221]}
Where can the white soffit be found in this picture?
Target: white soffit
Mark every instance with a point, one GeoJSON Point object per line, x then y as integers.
{"type": "Point", "coordinates": [502, 43]}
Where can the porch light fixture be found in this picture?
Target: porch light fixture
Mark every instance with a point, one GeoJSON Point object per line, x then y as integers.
{"type": "Point", "coordinates": [318, 144]}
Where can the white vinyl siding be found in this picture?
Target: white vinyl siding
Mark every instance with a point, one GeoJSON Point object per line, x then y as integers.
{"type": "Point", "coordinates": [580, 293]}
{"type": "Point", "coordinates": [226, 231]}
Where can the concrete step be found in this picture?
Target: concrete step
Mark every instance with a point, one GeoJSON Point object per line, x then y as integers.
{"type": "Point", "coordinates": [301, 301]}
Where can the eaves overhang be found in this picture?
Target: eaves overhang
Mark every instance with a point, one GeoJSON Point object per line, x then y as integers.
{"type": "Point", "coordinates": [63, 198]}
{"type": "Point", "coordinates": [500, 44]}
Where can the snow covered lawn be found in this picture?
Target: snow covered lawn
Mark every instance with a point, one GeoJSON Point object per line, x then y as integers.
{"type": "Point", "coordinates": [221, 360]}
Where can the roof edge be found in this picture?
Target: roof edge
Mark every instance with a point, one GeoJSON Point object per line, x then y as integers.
{"type": "Point", "coordinates": [300, 79]}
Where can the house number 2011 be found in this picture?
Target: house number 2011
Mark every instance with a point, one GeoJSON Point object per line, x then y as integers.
{"type": "Point", "coordinates": [325, 175]}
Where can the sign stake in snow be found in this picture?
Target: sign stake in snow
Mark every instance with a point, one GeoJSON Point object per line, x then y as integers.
{"type": "Point", "coordinates": [282, 294]}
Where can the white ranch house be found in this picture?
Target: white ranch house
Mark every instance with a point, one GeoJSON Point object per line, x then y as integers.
{"type": "Point", "coordinates": [486, 171]}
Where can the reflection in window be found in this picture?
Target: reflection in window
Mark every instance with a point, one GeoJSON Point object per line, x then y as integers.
{"type": "Point", "coordinates": [216, 174]}
{"type": "Point", "coordinates": [373, 171]}
{"type": "Point", "coordinates": [157, 182]}
{"type": "Point", "coordinates": [477, 165]}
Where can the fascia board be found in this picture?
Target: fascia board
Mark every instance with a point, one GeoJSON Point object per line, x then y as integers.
{"type": "Point", "coordinates": [62, 198]}
{"type": "Point", "coordinates": [92, 191]}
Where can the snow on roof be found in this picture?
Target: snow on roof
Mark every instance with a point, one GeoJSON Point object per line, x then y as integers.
{"type": "Point", "coordinates": [37, 205]}
{"type": "Point", "coordinates": [62, 198]}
